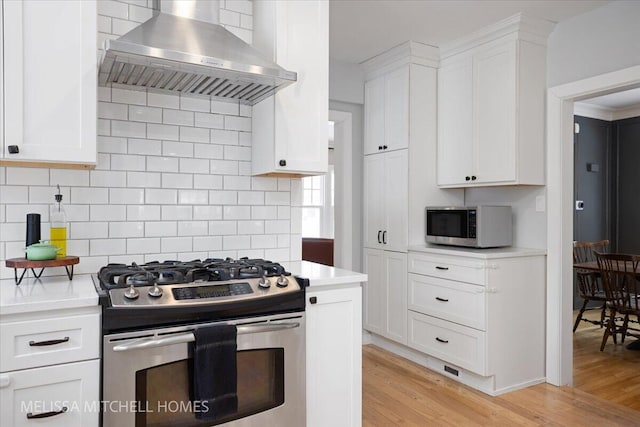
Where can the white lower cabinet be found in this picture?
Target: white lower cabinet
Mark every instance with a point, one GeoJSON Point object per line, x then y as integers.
{"type": "Point", "coordinates": [385, 294]}
{"type": "Point", "coordinates": [479, 315]}
{"type": "Point", "coordinates": [60, 395]}
{"type": "Point", "coordinates": [50, 368]}
{"type": "Point", "coordinates": [334, 357]}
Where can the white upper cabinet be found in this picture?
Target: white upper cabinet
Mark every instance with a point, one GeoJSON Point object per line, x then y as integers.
{"type": "Point", "coordinates": [491, 93]}
{"type": "Point", "coordinates": [387, 112]}
{"type": "Point", "coordinates": [49, 93]}
{"type": "Point", "coordinates": [290, 134]}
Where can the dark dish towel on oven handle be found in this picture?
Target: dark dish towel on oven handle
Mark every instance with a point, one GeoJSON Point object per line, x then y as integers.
{"type": "Point", "coordinates": [215, 378]}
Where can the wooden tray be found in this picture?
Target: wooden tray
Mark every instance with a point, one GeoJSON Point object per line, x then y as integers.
{"type": "Point", "coordinates": [67, 262]}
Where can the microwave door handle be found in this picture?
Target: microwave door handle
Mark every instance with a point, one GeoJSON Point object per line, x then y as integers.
{"type": "Point", "coordinates": [189, 337]}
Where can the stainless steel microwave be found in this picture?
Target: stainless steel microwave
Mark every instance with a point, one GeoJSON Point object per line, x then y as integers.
{"type": "Point", "coordinates": [471, 226]}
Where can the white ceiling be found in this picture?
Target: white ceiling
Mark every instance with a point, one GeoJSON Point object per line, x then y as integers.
{"type": "Point", "coordinates": [617, 101]}
{"type": "Point", "coordinates": [361, 29]}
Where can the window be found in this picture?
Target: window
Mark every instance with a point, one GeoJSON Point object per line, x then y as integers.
{"type": "Point", "coordinates": [318, 205]}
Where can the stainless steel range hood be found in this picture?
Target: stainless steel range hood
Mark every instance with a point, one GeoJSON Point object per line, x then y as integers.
{"type": "Point", "coordinates": [193, 58]}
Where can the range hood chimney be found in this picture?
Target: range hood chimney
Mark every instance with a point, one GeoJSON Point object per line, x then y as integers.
{"type": "Point", "coordinates": [190, 57]}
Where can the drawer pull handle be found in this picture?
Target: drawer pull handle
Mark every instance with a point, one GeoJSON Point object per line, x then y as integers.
{"type": "Point", "coordinates": [47, 414]}
{"type": "Point", "coordinates": [441, 268]}
{"type": "Point", "coordinates": [441, 340]}
{"type": "Point", "coordinates": [50, 342]}
{"type": "Point", "coordinates": [442, 299]}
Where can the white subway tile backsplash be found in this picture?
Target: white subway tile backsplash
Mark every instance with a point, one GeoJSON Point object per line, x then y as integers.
{"type": "Point", "coordinates": [128, 129]}
{"type": "Point", "coordinates": [128, 162]}
{"type": "Point", "coordinates": [210, 182]}
{"type": "Point", "coordinates": [245, 35]}
{"type": "Point", "coordinates": [160, 256]}
{"type": "Point", "coordinates": [164, 132]}
{"type": "Point", "coordinates": [120, 26]}
{"type": "Point", "coordinates": [244, 138]}
{"type": "Point", "coordinates": [15, 194]}
{"type": "Point", "coordinates": [236, 242]}
{"type": "Point", "coordinates": [162, 164]}
{"type": "Point", "coordinates": [143, 179]}
{"type": "Point", "coordinates": [193, 228]}
{"type": "Point", "coordinates": [194, 166]}
{"type": "Point", "coordinates": [164, 100]}
{"type": "Point", "coordinates": [237, 123]}
{"type": "Point", "coordinates": [107, 247]}
{"type": "Point", "coordinates": [177, 180]}
{"type": "Point", "coordinates": [228, 17]}
{"type": "Point", "coordinates": [140, 13]}
{"type": "Point", "coordinates": [250, 227]}
{"type": "Point", "coordinates": [207, 120]}
{"type": "Point", "coordinates": [104, 24]}
{"type": "Point", "coordinates": [177, 117]}
{"type": "Point", "coordinates": [177, 149]}
{"type": "Point", "coordinates": [244, 168]}
{"type": "Point", "coordinates": [177, 213]}
{"type": "Point", "coordinates": [77, 213]}
{"type": "Point", "coordinates": [296, 192]}
{"type": "Point", "coordinates": [18, 213]}
{"type": "Point", "coordinates": [160, 197]}
{"type": "Point", "coordinates": [176, 244]}
{"type": "Point", "coordinates": [109, 144]}
{"type": "Point", "coordinates": [127, 259]}
{"type": "Point", "coordinates": [223, 228]}
{"type": "Point", "coordinates": [104, 127]}
{"type": "Point", "coordinates": [237, 182]}
{"type": "Point", "coordinates": [104, 94]}
{"type": "Point", "coordinates": [241, 6]}
{"type": "Point", "coordinates": [264, 241]}
{"type": "Point", "coordinates": [103, 161]}
{"type": "Point", "coordinates": [195, 104]}
{"type": "Point", "coordinates": [264, 212]}
{"type": "Point", "coordinates": [277, 198]}
{"type": "Point", "coordinates": [161, 229]}
{"type": "Point", "coordinates": [108, 110]}
{"type": "Point", "coordinates": [126, 229]}
{"type": "Point", "coordinates": [236, 152]}
{"type": "Point", "coordinates": [295, 247]}
{"type": "Point", "coordinates": [207, 212]}
{"type": "Point", "coordinates": [108, 178]}
{"type": "Point", "coordinates": [27, 176]}
{"type": "Point", "coordinates": [139, 113]}
{"type": "Point", "coordinates": [69, 177]}
{"type": "Point", "coordinates": [225, 107]}
{"type": "Point", "coordinates": [251, 197]}
{"type": "Point", "coordinates": [89, 195]}
{"type": "Point", "coordinates": [108, 213]}
{"type": "Point", "coordinates": [246, 110]}
{"type": "Point", "coordinates": [143, 246]}
{"type": "Point", "coordinates": [151, 147]}
{"type": "Point", "coordinates": [88, 230]}
{"type": "Point", "coordinates": [190, 134]}
{"type": "Point", "coordinates": [143, 213]}
{"type": "Point", "coordinates": [284, 212]}
{"type": "Point", "coordinates": [126, 196]}
{"type": "Point", "coordinates": [126, 96]}
{"type": "Point", "coordinates": [208, 151]}
{"type": "Point", "coordinates": [277, 227]}
{"type": "Point", "coordinates": [223, 197]}
{"type": "Point", "coordinates": [78, 247]}
{"type": "Point", "coordinates": [207, 243]}
{"type": "Point", "coordinates": [227, 137]}
{"type": "Point", "coordinates": [277, 255]}
{"type": "Point", "coordinates": [91, 264]}
{"type": "Point", "coordinates": [236, 212]}
{"type": "Point", "coordinates": [264, 184]}
{"type": "Point", "coordinates": [113, 8]}
{"type": "Point", "coordinates": [284, 184]}
{"type": "Point", "coordinates": [193, 197]}
{"type": "Point", "coordinates": [44, 195]}
{"type": "Point", "coordinates": [12, 232]}
{"type": "Point", "coordinates": [246, 21]}
{"type": "Point", "coordinates": [284, 240]}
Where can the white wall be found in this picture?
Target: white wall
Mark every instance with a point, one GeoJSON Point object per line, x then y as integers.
{"type": "Point", "coordinates": [346, 82]}
{"type": "Point", "coordinates": [602, 40]}
{"type": "Point", "coordinates": [172, 180]}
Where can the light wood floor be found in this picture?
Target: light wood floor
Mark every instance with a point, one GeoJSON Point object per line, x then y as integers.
{"type": "Point", "coordinates": [397, 392]}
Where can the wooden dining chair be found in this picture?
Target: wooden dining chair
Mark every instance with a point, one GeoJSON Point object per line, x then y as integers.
{"type": "Point", "coordinates": [621, 280]}
{"type": "Point", "coordinates": [589, 283]}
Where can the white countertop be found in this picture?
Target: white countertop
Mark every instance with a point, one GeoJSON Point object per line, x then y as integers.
{"type": "Point", "coordinates": [323, 275]}
{"type": "Point", "coordinates": [47, 293]}
{"type": "Point", "coordinates": [509, 252]}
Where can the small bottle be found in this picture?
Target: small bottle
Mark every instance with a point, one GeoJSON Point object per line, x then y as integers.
{"type": "Point", "coordinates": [58, 219]}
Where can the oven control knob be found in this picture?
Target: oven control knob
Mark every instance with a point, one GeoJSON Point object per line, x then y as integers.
{"type": "Point", "coordinates": [264, 282]}
{"type": "Point", "coordinates": [155, 291]}
{"type": "Point", "coordinates": [282, 282]}
{"type": "Point", "coordinates": [131, 293]}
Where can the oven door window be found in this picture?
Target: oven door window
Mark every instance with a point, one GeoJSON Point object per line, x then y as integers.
{"type": "Point", "coordinates": [162, 392]}
{"type": "Point", "coordinates": [447, 223]}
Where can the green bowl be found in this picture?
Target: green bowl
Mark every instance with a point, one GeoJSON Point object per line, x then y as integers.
{"type": "Point", "coordinates": [41, 251]}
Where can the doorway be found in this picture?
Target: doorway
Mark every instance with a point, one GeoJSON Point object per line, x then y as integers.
{"type": "Point", "coordinates": [560, 103]}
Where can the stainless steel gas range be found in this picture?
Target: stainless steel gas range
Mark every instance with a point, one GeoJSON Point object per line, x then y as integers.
{"type": "Point", "coordinates": [213, 342]}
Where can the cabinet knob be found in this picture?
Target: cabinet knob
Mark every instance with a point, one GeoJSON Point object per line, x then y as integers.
{"type": "Point", "coordinates": [313, 300]}
{"type": "Point", "coordinates": [473, 178]}
{"type": "Point", "coordinates": [467, 178]}
{"type": "Point", "coordinates": [384, 147]}
{"type": "Point", "coordinates": [379, 147]}
{"type": "Point", "coordinates": [283, 162]}
{"type": "Point", "coordinates": [13, 149]}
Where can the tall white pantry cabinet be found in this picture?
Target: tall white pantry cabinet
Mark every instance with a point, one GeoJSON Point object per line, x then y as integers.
{"type": "Point", "coordinates": [399, 177]}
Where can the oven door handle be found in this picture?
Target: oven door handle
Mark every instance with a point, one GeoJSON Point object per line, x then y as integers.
{"type": "Point", "coordinates": [189, 337]}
